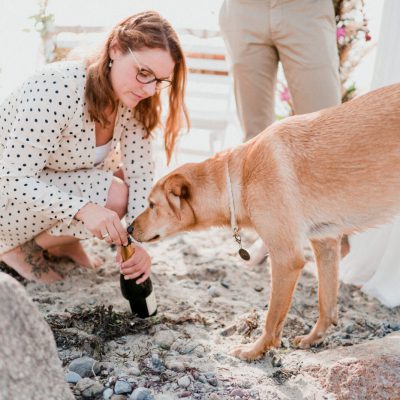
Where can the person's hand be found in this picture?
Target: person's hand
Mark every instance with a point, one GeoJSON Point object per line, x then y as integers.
{"type": "Point", "coordinates": [103, 223]}
{"type": "Point", "coordinates": [138, 264]}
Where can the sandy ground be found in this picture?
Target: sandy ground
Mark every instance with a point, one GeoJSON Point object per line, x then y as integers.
{"type": "Point", "coordinates": [208, 301]}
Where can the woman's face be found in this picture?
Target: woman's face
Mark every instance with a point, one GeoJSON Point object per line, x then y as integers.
{"type": "Point", "coordinates": [127, 88]}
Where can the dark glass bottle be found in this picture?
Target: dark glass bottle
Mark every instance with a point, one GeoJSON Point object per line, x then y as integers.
{"type": "Point", "coordinates": [141, 297]}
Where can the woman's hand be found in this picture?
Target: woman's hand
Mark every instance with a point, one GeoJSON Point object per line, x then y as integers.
{"type": "Point", "coordinates": [138, 264]}
{"type": "Point", "coordinates": [103, 223]}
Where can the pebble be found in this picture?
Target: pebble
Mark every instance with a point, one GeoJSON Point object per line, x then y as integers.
{"type": "Point", "coordinates": [202, 379]}
{"type": "Point", "coordinates": [85, 366]}
{"type": "Point", "coordinates": [237, 392]}
{"type": "Point", "coordinates": [72, 377]}
{"type": "Point", "coordinates": [89, 388]}
{"type": "Point", "coordinates": [165, 338]}
{"type": "Point", "coordinates": [107, 394]}
{"type": "Point", "coordinates": [135, 371]}
{"type": "Point", "coordinates": [122, 387]}
{"type": "Point", "coordinates": [184, 381]}
{"type": "Point", "coordinates": [229, 330]}
{"type": "Point", "coordinates": [141, 394]}
{"type": "Point", "coordinates": [213, 291]}
{"type": "Point", "coordinates": [175, 365]}
{"type": "Point", "coordinates": [214, 396]}
{"type": "Point", "coordinates": [186, 393]}
{"type": "Point", "coordinates": [349, 328]}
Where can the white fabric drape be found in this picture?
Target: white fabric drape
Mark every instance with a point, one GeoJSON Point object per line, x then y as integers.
{"type": "Point", "coordinates": [374, 259]}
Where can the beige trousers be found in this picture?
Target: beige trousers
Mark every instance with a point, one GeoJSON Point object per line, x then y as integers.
{"type": "Point", "coordinates": [301, 34]}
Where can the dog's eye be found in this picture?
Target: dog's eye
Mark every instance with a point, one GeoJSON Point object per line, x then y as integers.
{"type": "Point", "coordinates": [151, 204]}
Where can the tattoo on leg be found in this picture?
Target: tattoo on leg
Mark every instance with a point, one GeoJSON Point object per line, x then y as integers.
{"type": "Point", "coordinates": [34, 257]}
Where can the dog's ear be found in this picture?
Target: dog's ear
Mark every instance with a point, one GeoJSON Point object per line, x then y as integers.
{"type": "Point", "coordinates": [176, 189]}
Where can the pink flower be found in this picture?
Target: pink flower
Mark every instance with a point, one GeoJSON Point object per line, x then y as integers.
{"type": "Point", "coordinates": [340, 32]}
{"type": "Point", "coordinates": [285, 94]}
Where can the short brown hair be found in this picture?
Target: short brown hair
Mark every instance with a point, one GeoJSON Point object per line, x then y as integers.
{"type": "Point", "coordinates": [144, 30]}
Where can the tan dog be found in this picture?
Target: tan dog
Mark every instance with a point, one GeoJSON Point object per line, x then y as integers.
{"type": "Point", "coordinates": [315, 176]}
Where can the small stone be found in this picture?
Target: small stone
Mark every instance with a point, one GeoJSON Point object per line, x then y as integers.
{"type": "Point", "coordinates": [229, 330]}
{"type": "Point", "coordinates": [349, 328]}
{"type": "Point", "coordinates": [202, 379]}
{"type": "Point", "coordinates": [184, 382]}
{"type": "Point", "coordinates": [86, 367]}
{"type": "Point", "coordinates": [285, 343]}
{"type": "Point", "coordinates": [135, 371]}
{"type": "Point", "coordinates": [72, 377]}
{"type": "Point", "coordinates": [107, 394]}
{"type": "Point", "coordinates": [141, 394]}
{"type": "Point", "coordinates": [184, 394]}
{"type": "Point", "coordinates": [213, 382]}
{"type": "Point", "coordinates": [258, 288]}
{"type": "Point", "coordinates": [237, 392]}
{"type": "Point", "coordinates": [165, 338]}
{"type": "Point", "coordinates": [175, 365]}
{"type": "Point", "coordinates": [122, 387]}
{"type": "Point", "coordinates": [224, 284]}
{"type": "Point", "coordinates": [214, 396]}
{"type": "Point", "coordinates": [89, 388]}
{"type": "Point", "coordinates": [276, 361]}
{"type": "Point", "coordinates": [213, 291]}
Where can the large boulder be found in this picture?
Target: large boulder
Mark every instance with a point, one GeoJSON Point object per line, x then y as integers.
{"type": "Point", "coordinates": [366, 371]}
{"type": "Point", "coordinates": [29, 364]}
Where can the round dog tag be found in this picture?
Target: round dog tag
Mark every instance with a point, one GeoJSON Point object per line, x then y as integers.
{"type": "Point", "coordinates": [244, 254]}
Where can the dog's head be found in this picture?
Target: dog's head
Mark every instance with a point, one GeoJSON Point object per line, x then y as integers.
{"type": "Point", "coordinates": [169, 210]}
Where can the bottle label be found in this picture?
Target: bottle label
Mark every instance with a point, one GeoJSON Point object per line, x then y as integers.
{"type": "Point", "coordinates": [151, 303]}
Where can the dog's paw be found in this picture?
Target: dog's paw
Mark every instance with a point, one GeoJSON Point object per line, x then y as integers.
{"type": "Point", "coordinates": [307, 341]}
{"type": "Point", "coordinates": [248, 352]}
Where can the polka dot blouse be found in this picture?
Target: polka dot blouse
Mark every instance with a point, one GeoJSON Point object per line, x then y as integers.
{"type": "Point", "coordinates": [47, 156]}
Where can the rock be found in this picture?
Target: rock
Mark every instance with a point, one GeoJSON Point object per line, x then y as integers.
{"type": "Point", "coordinates": [118, 397]}
{"type": "Point", "coordinates": [184, 381]}
{"type": "Point", "coordinates": [122, 387]}
{"type": "Point", "coordinates": [237, 392]}
{"type": "Point", "coordinates": [165, 338]}
{"type": "Point", "coordinates": [86, 367]}
{"type": "Point", "coordinates": [366, 371]}
{"type": "Point", "coordinates": [29, 361]}
{"type": "Point", "coordinates": [135, 371]}
{"type": "Point", "coordinates": [141, 394]}
{"type": "Point", "coordinates": [72, 377]}
{"type": "Point", "coordinates": [89, 388]}
{"type": "Point", "coordinates": [107, 394]}
{"type": "Point", "coordinates": [213, 291]}
{"type": "Point", "coordinates": [175, 365]}
{"type": "Point", "coordinates": [229, 330]}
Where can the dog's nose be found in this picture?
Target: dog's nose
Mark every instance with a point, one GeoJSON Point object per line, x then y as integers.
{"type": "Point", "coordinates": [130, 229]}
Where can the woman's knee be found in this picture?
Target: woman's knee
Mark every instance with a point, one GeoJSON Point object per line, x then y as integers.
{"type": "Point", "coordinates": [117, 199]}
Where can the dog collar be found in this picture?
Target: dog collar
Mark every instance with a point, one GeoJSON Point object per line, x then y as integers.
{"type": "Point", "coordinates": [242, 252]}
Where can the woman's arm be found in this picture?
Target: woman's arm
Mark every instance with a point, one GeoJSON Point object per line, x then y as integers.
{"type": "Point", "coordinates": [138, 168]}
{"type": "Point", "coordinates": [46, 105]}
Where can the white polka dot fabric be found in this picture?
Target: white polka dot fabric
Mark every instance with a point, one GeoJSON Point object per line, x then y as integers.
{"type": "Point", "coordinates": [47, 157]}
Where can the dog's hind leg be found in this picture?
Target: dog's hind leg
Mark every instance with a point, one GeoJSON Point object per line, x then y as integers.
{"type": "Point", "coordinates": [327, 255]}
{"type": "Point", "coordinates": [286, 265]}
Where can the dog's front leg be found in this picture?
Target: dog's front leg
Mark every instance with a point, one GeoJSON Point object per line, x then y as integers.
{"type": "Point", "coordinates": [327, 253]}
{"type": "Point", "coordinates": [284, 278]}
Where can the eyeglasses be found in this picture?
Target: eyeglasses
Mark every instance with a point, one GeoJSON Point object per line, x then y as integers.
{"type": "Point", "coordinates": [146, 77]}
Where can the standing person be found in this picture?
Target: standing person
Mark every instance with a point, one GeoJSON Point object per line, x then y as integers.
{"type": "Point", "coordinates": [75, 147]}
{"type": "Point", "coordinates": [301, 34]}
{"type": "Point", "coordinates": [373, 262]}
